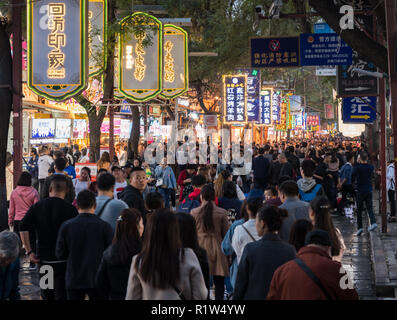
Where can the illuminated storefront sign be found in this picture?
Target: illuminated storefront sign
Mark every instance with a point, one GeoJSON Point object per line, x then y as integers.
{"type": "Point", "coordinates": [276, 103]}
{"type": "Point", "coordinates": [235, 98]}
{"type": "Point", "coordinates": [57, 57]}
{"type": "Point", "coordinates": [283, 125]}
{"type": "Point", "coordinates": [313, 121]}
{"type": "Point", "coordinates": [140, 63]}
{"type": "Point", "coordinates": [97, 35]}
{"type": "Point", "coordinates": [253, 93]}
{"type": "Point", "coordinates": [175, 74]}
{"type": "Point", "coordinates": [266, 103]}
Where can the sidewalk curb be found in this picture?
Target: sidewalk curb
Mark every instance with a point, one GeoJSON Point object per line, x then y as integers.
{"type": "Point", "coordinates": [384, 287]}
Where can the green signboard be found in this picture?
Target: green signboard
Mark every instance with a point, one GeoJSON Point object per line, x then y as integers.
{"type": "Point", "coordinates": [57, 47]}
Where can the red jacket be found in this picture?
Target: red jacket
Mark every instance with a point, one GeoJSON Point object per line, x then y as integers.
{"type": "Point", "coordinates": [290, 282]}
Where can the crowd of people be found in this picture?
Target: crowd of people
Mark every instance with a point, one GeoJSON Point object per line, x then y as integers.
{"type": "Point", "coordinates": [160, 231]}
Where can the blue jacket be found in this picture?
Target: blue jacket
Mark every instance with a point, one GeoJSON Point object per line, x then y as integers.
{"type": "Point", "coordinates": [168, 176]}
{"type": "Point", "coordinates": [33, 167]}
{"type": "Point", "coordinates": [346, 173]}
{"type": "Point", "coordinates": [227, 249]}
{"type": "Point", "coordinates": [363, 172]}
{"type": "Point", "coordinates": [9, 282]}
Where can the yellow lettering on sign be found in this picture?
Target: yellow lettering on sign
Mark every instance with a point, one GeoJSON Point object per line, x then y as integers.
{"type": "Point", "coordinates": [140, 67]}
{"type": "Point", "coordinates": [89, 33]}
{"type": "Point", "coordinates": [169, 62]}
{"type": "Point", "coordinates": [129, 59]}
{"type": "Point", "coordinates": [56, 40]}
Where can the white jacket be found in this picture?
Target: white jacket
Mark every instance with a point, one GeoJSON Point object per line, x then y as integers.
{"type": "Point", "coordinates": [241, 237]}
{"type": "Point", "coordinates": [390, 183]}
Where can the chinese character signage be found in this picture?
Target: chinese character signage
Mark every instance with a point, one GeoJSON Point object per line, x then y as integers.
{"type": "Point", "coordinates": [324, 49]}
{"type": "Point", "coordinates": [299, 121]}
{"type": "Point", "coordinates": [351, 83]}
{"type": "Point", "coordinates": [283, 124]}
{"type": "Point", "coordinates": [235, 99]}
{"type": "Point", "coordinates": [359, 109]}
{"type": "Point", "coordinates": [266, 107]}
{"type": "Point", "coordinates": [276, 103]}
{"type": "Point", "coordinates": [275, 52]}
{"type": "Point", "coordinates": [253, 92]}
{"type": "Point", "coordinates": [313, 121]}
{"type": "Point", "coordinates": [97, 35]}
{"type": "Point", "coordinates": [175, 73]}
{"type": "Point", "coordinates": [329, 111]}
{"type": "Point", "coordinates": [57, 44]}
{"type": "Point", "coordinates": [141, 63]}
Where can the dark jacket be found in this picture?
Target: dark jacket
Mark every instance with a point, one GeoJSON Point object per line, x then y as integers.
{"type": "Point", "coordinates": [294, 161]}
{"type": "Point", "coordinates": [205, 267]}
{"type": "Point", "coordinates": [134, 199]}
{"type": "Point", "coordinates": [275, 173]}
{"type": "Point", "coordinates": [286, 170]}
{"type": "Point", "coordinates": [260, 166]}
{"type": "Point", "coordinates": [259, 261]}
{"type": "Point", "coordinates": [9, 282]}
{"type": "Point", "coordinates": [113, 272]}
{"type": "Point", "coordinates": [290, 282]}
{"type": "Point", "coordinates": [82, 241]}
{"type": "Point", "coordinates": [234, 204]}
{"type": "Point", "coordinates": [70, 195]}
{"type": "Point", "coordinates": [33, 167]}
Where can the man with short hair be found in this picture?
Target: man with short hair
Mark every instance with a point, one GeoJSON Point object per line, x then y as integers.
{"type": "Point", "coordinates": [120, 183]}
{"type": "Point", "coordinates": [363, 171]}
{"type": "Point", "coordinates": [45, 218]}
{"type": "Point", "coordinates": [44, 162]}
{"type": "Point", "coordinates": [295, 280]}
{"type": "Point", "coordinates": [132, 194]}
{"type": "Point", "coordinates": [297, 209]}
{"type": "Point", "coordinates": [308, 188]}
{"type": "Point", "coordinates": [82, 241]}
{"type": "Point", "coordinates": [59, 167]}
{"type": "Point", "coordinates": [107, 208]}
{"type": "Point", "coordinates": [286, 167]}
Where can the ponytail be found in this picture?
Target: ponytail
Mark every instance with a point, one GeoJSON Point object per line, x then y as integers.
{"type": "Point", "coordinates": [208, 194]}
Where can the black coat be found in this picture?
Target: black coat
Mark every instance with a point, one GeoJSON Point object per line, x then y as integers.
{"type": "Point", "coordinates": [70, 195]}
{"type": "Point", "coordinates": [260, 166]}
{"type": "Point", "coordinates": [134, 199]}
{"type": "Point", "coordinates": [286, 170]}
{"type": "Point", "coordinates": [113, 272]}
{"type": "Point", "coordinates": [259, 261]}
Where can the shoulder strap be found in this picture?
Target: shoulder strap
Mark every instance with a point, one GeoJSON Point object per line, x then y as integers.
{"type": "Point", "coordinates": [103, 207]}
{"type": "Point", "coordinates": [179, 292]}
{"type": "Point", "coordinates": [246, 230]}
{"type": "Point", "coordinates": [312, 276]}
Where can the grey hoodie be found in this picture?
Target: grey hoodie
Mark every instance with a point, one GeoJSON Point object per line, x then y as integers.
{"type": "Point", "coordinates": [306, 184]}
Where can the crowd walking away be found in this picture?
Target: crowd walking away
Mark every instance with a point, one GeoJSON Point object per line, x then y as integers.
{"type": "Point", "coordinates": [137, 230]}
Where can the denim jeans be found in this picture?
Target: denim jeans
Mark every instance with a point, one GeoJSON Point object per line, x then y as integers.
{"type": "Point", "coordinates": [166, 196]}
{"type": "Point", "coordinates": [367, 198]}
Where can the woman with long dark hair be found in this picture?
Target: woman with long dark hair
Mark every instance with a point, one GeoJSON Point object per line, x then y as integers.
{"type": "Point", "coordinates": [112, 275]}
{"type": "Point", "coordinates": [212, 226]}
{"type": "Point", "coordinates": [163, 270]}
{"type": "Point", "coordinates": [319, 213]}
{"type": "Point", "coordinates": [261, 258]}
{"type": "Point", "coordinates": [298, 232]}
{"type": "Point", "coordinates": [188, 233]}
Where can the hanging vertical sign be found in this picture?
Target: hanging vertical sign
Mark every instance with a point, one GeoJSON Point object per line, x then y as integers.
{"type": "Point", "coordinates": [266, 103]}
{"type": "Point", "coordinates": [329, 111]}
{"type": "Point", "coordinates": [141, 57]}
{"type": "Point", "coordinates": [282, 125]}
{"type": "Point", "coordinates": [253, 93]}
{"type": "Point", "coordinates": [235, 99]}
{"type": "Point", "coordinates": [57, 47]}
{"type": "Point", "coordinates": [175, 72]}
{"type": "Point", "coordinates": [313, 121]}
{"type": "Point", "coordinates": [97, 35]}
{"type": "Point", "coordinates": [276, 102]}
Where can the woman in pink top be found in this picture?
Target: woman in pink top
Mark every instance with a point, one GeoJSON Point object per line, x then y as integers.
{"type": "Point", "coordinates": [21, 199]}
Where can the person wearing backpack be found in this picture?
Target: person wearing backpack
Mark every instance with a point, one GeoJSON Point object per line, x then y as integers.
{"type": "Point", "coordinates": [193, 199]}
{"type": "Point", "coordinates": [308, 188]}
{"type": "Point", "coordinates": [247, 232]}
{"type": "Point", "coordinates": [391, 191]}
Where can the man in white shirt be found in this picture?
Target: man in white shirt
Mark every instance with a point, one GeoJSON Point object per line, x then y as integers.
{"type": "Point", "coordinates": [391, 190]}
{"type": "Point", "coordinates": [44, 163]}
{"type": "Point", "coordinates": [246, 233]}
{"type": "Point", "coordinates": [121, 183]}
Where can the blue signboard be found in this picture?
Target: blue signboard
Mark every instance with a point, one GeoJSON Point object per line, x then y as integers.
{"type": "Point", "coordinates": [276, 102]}
{"type": "Point", "coordinates": [235, 99]}
{"type": "Point", "coordinates": [253, 92]}
{"type": "Point", "coordinates": [266, 105]}
{"type": "Point", "coordinates": [274, 52]}
{"type": "Point", "coordinates": [324, 49]}
{"type": "Point", "coordinates": [358, 110]}
{"type": "Point", "coordinates": [322, 28]}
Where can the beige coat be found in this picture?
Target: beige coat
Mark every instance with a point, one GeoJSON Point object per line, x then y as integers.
{"type": "Point", "coordinates": [9, 179]}
{"type": "Point", "coordinates": [191, 283]}
{"type": "Point", "coordinates": [211, 241]}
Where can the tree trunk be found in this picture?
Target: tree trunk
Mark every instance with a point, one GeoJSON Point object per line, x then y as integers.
{"type": "Point", "coordinates": [5, 111]}
{"type": "Point", "coordinates": [95, 137]}
{"type": "Point", "coordinates": [135, 133]}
